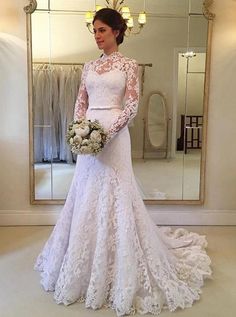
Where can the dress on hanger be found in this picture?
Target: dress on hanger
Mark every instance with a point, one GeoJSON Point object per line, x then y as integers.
{"type": "Point", "coordinates": [105, 250]}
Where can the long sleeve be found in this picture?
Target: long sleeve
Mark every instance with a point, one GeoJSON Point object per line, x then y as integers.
{"type": "Point", "coordinates": [81, 103]}
{"type": "Point", "coordinates": [131, 100]}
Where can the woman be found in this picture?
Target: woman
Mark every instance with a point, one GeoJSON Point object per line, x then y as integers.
{"type": "Point", "coordinates": [105, 249]}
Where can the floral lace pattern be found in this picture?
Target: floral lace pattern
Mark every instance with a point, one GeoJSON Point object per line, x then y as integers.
{"type": "Point", "coordinates": [126, 91]}
{"type": "Point", "coordinates": [81, 103]}
{"type": "Point", "coordinates": [105, 250]}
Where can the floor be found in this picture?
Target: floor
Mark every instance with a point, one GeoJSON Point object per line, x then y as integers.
{"type": "Point", "coordinates": [22, 296]}
{"type": "Point", "coordinates": [175, 178]}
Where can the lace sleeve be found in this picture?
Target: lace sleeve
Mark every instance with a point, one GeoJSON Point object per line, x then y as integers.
{"type": "Point", "coordinates": [81, 103]}
{"type": "Point", "coordinates": [131, 100]}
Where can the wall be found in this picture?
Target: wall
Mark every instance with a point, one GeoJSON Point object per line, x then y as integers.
{"type": "Point", "coordinates": [220, 202]}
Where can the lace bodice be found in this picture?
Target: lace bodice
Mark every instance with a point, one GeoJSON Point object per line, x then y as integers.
{"type": "Point", "coordinates": [110, 82]}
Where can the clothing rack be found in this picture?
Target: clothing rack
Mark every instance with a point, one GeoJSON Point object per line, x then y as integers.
{"type": "Point", "coordinates": [143, 67]}
{"type": "Point", "coordinates": [58, 63]}
{"type": "Point", "coordinates": [62, 63]}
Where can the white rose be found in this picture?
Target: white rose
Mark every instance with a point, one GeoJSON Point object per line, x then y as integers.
{"type": "Point", "coordinates": [71, 140]}
{"type": "Point", "coordinates": [85, 150]}
{"type": "Point", "coordinates": [82, 131]}
{"type": "Point", "coordinates": [75, 126]}
{"type": "Point", "coordinates": [85, 142]}
{"type": "Point", "coordinates": [96, 146]}
{"type": "Point", "coordinates": [95, 136]}
{"type": "Point", "coordinates": [78, 139]}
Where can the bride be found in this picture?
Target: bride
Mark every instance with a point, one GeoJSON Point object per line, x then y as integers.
{"type": "Point", "coordinates": [105, 250]}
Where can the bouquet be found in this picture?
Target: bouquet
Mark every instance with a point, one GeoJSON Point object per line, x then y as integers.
{"type": "Point", "coordinates": [86, 136]}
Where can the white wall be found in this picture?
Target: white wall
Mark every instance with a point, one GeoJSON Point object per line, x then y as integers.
{"type": "Point", "coordinates": [220, 201]}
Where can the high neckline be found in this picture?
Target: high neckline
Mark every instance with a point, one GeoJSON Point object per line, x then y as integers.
{"type": "Point", "coordinates": [113, 54]}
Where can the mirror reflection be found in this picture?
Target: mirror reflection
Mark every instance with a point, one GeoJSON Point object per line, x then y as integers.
{"type": "Point", "coordinates": [157, 121]}
{"type": "Point", "coordinates": [166, 134]}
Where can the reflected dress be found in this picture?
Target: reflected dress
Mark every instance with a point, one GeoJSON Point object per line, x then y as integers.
{"type": "Point", "coordinates": [105, 250]}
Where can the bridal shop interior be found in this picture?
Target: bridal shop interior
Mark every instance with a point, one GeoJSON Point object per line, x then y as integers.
{"type": "Point", "coordinates": [182, 149]}
{"type": "Point", "coordinates": [172, 87]}
{"type": "Point", "coordinates": [182, 138]}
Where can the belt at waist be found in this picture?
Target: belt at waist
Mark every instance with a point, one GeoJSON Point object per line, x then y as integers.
{"type": "Point", "coordinates": [104, 108]}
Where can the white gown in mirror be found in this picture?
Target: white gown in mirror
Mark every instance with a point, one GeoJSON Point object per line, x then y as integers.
{"type": "Point", "coordinates": [105, 250]}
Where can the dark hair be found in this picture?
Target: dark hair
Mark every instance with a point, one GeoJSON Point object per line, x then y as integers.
{"type": "Point", "coordinates": [113, 19]}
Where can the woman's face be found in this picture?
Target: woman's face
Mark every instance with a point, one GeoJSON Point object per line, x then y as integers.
{"type": "Point", "coordinates": [104, 35]}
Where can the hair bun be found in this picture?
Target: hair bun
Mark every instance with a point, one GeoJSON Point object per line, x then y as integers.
{"type": "Point", "coordinates": [113, 19]}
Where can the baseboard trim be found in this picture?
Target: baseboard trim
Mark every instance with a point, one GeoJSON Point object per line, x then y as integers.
{"type": "Point", "coordinates": [137, 154]}
{"type": "Point", "coordinates": [195, 218]}
{"type": "Point", "coordinates": [148, 155]}
{"type": "Point", "coordinates": [199, 217]}
{"type": "Point", "coordinates": [27, 218]}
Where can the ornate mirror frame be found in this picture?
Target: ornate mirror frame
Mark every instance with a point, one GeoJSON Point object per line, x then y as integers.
{"type": "Point", "coordinates": [29, 9]}
{"type": "Point", "coordinates": [146, 116]}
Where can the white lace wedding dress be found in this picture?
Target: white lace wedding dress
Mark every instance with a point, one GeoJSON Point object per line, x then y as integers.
{"type": "Point", "coordinates": [105, 249]}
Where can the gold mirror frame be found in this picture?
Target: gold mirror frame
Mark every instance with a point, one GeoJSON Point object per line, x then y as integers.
{"type": "Point", "coordinates": [29, 9]}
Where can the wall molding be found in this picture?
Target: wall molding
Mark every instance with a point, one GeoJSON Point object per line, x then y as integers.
{"type": "Point", "coordinates": [166, 217]}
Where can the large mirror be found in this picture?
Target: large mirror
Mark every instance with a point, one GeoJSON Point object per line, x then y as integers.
{"type": "Point", "coordinates": [168, 135]}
